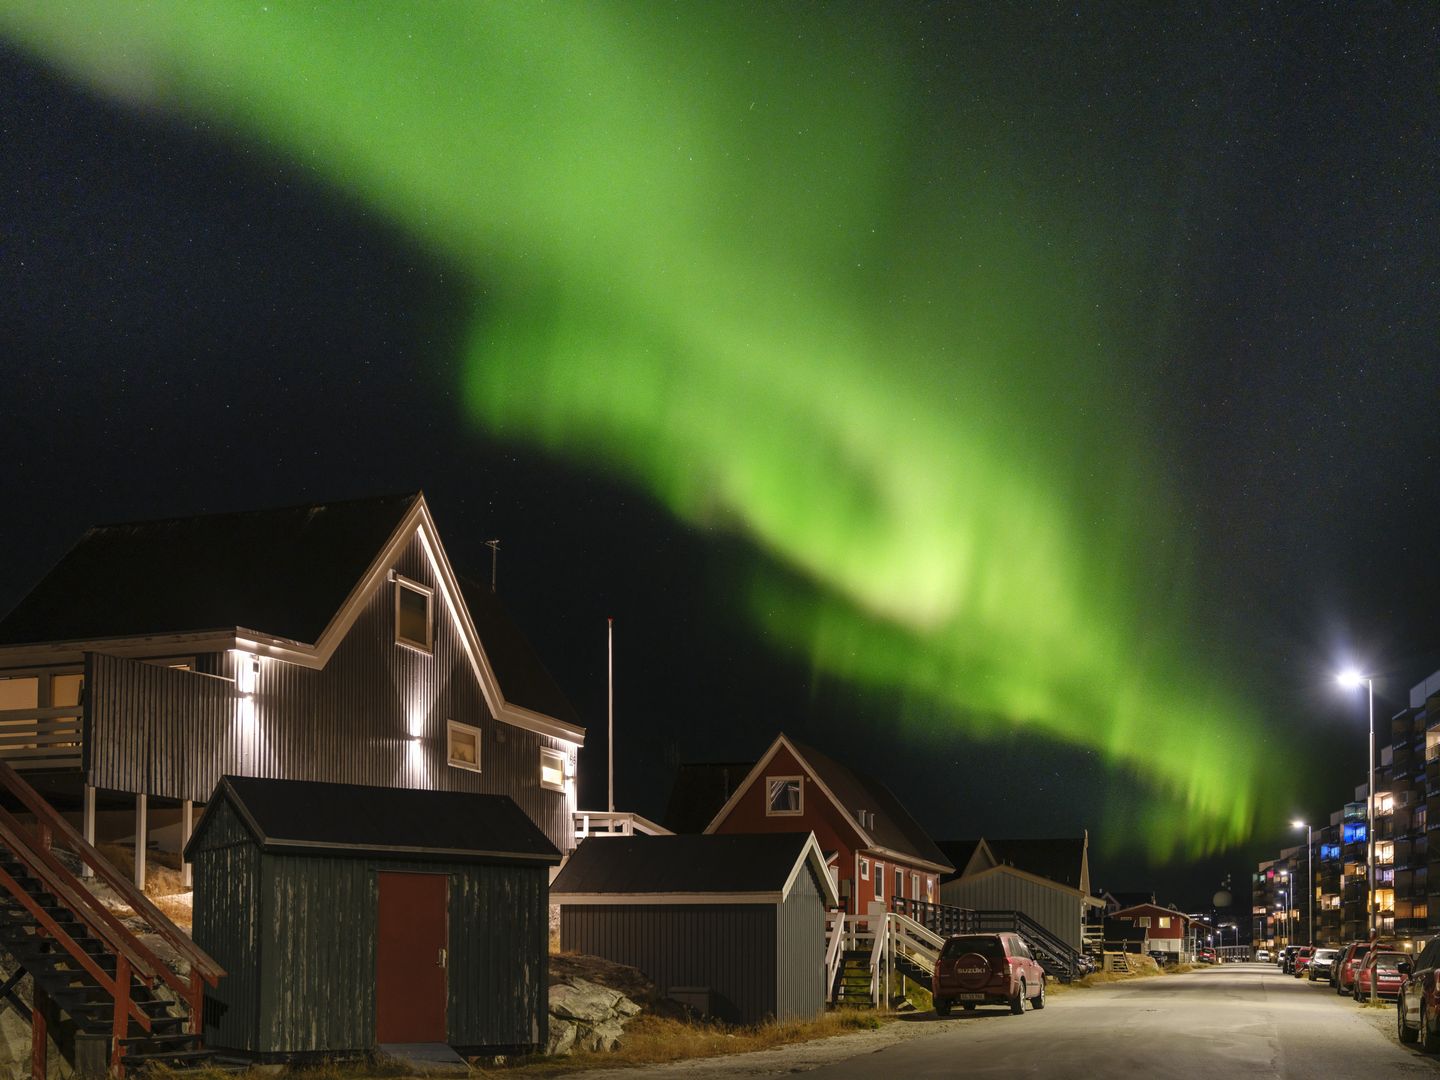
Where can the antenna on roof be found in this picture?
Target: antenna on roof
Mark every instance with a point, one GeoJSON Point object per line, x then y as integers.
{"type": "Point", "coordinates": [494, 546]}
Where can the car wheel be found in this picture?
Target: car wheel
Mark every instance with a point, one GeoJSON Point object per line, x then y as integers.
{"type": "Point", "coordinates": [1429, 1040]}
{"type": "Point", "coordinates": [1017, 1003]}
{"type": "Point", "coordinates": [1401, 1027]}
{"type": "Point", "coordinates": [942, 1008]}
{"type": "Point", "coordinates": [1038, 1001]}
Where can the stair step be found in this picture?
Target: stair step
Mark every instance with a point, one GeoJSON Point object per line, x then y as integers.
{"type": "Point", "coordinates": [166, 1057]}
{"type": "Point", "coordinates": [166, 1037]}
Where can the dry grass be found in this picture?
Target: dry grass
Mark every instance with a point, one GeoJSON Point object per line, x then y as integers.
{"type": "Point", "coordinates": [163, 882]}
{"type": "Point", "coordinates": [653, 1040]}
{"type": "Point", "coordinates": [378, 1068]}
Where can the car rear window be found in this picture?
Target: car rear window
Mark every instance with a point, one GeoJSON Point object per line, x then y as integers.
{"type": "Point", "coordinates": [1360, 950]}
{"type": "Point", "coordinates": [986, 945]}
{"type": "Point", "coordinates": [1386, 961]}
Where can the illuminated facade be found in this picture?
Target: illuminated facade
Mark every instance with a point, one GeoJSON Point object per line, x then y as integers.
{"type": "Point", "coordinates": [330, 642]}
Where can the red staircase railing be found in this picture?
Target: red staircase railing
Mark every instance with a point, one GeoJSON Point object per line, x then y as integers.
{"type": "Point", "coordinates": [131, 954]}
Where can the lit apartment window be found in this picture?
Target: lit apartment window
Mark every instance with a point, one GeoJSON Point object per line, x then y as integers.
{"type": "Point", "coordinates": [552, 769]}
{"type": "Point", "coordinates": [463, 750]}
{"type": "Point", "coordinates": [1384, 803]}
{"type": "Point", "coordinates": [1385, 852]}
{"type": "Point", "coordinates": [414, 624]}
{"type": "Point", "coordinates": [784, 796]}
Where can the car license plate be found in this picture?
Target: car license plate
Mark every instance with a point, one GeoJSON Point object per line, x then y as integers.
{"type": "Point", "coordinates": [970, 997]}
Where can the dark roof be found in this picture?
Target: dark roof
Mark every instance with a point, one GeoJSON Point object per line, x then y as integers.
{"type": "Point", "coordinates": [524, 679]}
{"type": "Point", "coordinates": [699, 793]}
{"type": "Point", "coordinates": [1055, 859]}
{"type": "Point", "coordinates": [958, 853]}
{"type": "Point", "coordinates": [1131, 899]}
{"type": "Point", "coordinates": [311, 816]}
{"type": "Point", "coordinates": [282, 572]}
{"type": "Point", "coordinates": [715, 863]}
{"type": "Point", "coordinates": [894, 828]}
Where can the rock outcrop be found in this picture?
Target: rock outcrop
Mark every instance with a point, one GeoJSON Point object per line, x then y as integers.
{"type": "Point", "coordinates": [587, 1016]}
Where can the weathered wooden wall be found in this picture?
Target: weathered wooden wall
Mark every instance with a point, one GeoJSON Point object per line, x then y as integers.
{"type": "Point", "coordinates": [375, 714]}
{"type": "Point", "coordinates": [298, 936]}
{"type": "Point", "coordinates": [729, 948]}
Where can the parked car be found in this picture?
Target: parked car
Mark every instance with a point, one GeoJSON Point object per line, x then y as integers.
{"type": "Point", "coordinates": [987, 969]}
{"type": "Point", "coordinates": [1302, 961]}
{"type": "Point", "coordinates": [1381, 967]}
{"type": "Point", "coordinates": [1287, 958]}
{"type": "Point", "coordinates": [1322, 963]}
{"type": "Point", "coordinates": [1350, 959]}
{"type": "Point", "coordinates": [1205, 956]}
{"type": "Point", "coordinates": [1262, 956]}
{"type": "Point", "coordinates": [1161, 957]}
{"type": "Point", "coordinates": [1417, 1008]}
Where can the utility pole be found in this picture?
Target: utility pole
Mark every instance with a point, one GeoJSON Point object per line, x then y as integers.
{"type": "Point", "coordinates": [610, 708]}
{"type": "Point", "coordinates": [494, 546]}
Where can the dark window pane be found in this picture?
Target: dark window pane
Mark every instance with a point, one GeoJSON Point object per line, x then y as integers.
{"type": "Point", "coordinates": [414, 617]}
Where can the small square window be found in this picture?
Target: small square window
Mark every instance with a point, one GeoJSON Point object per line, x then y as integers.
{"type": "Point", "coordinates": [552, 769]}
{"type": "Point", "coordinates": [414, 625]}
{"type": "Point", "coordinates": [463, 746]}
{"type": "Point", "coordinates": [784, 796]}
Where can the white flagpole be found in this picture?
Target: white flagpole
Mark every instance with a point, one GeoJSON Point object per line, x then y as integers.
{"type": "Point", "coordinates": [610, 707]}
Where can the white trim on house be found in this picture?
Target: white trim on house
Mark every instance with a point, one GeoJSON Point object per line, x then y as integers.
{"type": "Point", "coordinates": [867, 842]}
{"type": "Point", "coordinates": [451, 728]}
{"type": "Point", "coordinates": [416, 522]}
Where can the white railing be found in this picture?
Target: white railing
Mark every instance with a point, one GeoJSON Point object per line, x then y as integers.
{"type": "Point", "coordinates": [33, 739]}
{"type": "Point", "coordinates": [590, 823]}
{"type": "Point", "coordinates": [887, 936]}
{"type": "Point", "coordinates": [834, 951]}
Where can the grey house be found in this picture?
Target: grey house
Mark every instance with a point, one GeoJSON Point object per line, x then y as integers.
{"type": "Point", "coordinates": [735, 923]}
{"type": "Point", "coordinates": [1048, 880]}
{"type": "Point", "coordinates": [330, 641]}
{"type": "Point", "coordinates": [351, 916]}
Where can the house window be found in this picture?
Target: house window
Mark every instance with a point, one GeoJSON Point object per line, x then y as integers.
{"type": "Point", "coordinates": [22, 692]}
{"type": "Point", "coordinates": [879, 881]}
{"type": "Point", "coordinates": [929, 889]}
{"type": "Point", "coordinates": [552, 769]}
{"type": "Point", "coordinates": [864, 868]}
{"type": "Point", "coordinates": [915, 886]}
{"type": "Point", "coordinates": [414, 625]}
{"type": "Point", "coordinates": [899, 883]}
{"type": "Point", "coordinates": [464, 746]}
{"type": "Point", "coordinates": [784, 796]}
{"type": "Point", "coordinates": [1144, 921]}
{"type": "Point", "coordinates": [1164, 922]}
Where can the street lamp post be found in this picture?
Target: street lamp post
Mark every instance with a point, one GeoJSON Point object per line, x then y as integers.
{"type": "Point", "coordinates": [1309, 873]}
{"type": "Point", "coordinates": [1351, 679]}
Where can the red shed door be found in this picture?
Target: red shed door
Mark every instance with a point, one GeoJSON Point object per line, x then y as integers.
{"type": "Point", "coordinates": [410, 958]}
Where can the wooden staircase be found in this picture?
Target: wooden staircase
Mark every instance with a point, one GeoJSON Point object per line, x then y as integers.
{"type": "Point", "coordinates": [128, 1006]}
{"type": "Point", "coordinates": [854, 984]}
{"type": "Point", "coordinates": [1117, 962]}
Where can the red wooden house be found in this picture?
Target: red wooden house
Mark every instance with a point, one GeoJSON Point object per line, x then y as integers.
{"type": "Point", "coordinates": [876, 851]}
{"type": "Point", "coordinates": [1164, 928]}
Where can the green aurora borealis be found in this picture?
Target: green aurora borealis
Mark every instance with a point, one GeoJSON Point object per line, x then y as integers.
{"type": "Point", "coordinates": [735, 256]}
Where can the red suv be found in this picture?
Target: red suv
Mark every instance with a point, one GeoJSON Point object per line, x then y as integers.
{"type": "Point", "coordinates": [1418, 1006]}
{"type": "Point", "coordinates": [1349, 963]}
{"type": "Point", "coordinates": [987, 969]}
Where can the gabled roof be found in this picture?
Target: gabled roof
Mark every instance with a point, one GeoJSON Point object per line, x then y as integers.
{"type": "Point", "coordinates": [1058, 859]}
{"type": "Point", "coordinates": [889, 828]}
{"type": "Point", "coordinates": [285, 583]}
{"type": "Point", "coordinates": [313, 817]}
{"type": "Point", "coordinates": [283, 572]}
{"type": "Point", "coordinates": [737, 868]}
{"type": "Point", "coordinates": [967, 856]}
{"type": "Point", "coordinates": [699, 791]}
{"type": "Point", "coordinates": [1141, 910]}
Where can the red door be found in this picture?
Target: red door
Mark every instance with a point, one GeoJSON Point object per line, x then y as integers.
{"type": "Point", "coordinates": [410, 958]}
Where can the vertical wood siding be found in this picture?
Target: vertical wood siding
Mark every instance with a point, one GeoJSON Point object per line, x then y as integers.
{"type": "Point", "coordinates": [1056, 908]}
{"type": "Point", "coordinates": [227, 923]}
{"type": "Point", "coordinates": [298, 936]}
{"type": "Point", "coordinates": [800, 951]}
{"type": "Point", "coordinates": [729, 948]}
{"type": "Point", "coordinates": [376, 714]}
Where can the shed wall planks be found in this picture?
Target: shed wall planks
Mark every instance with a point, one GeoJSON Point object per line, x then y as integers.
{"type": "Point", "coordinates": [1058, 908]}
{"type": "Point", "coordinates": [375, 714]}
{"type": "Point", "coordinates": [729, 948]}
{"type": "Point", "coordinates": [227, 920]}
{"type": "Point", "coordinates": [800, 951]}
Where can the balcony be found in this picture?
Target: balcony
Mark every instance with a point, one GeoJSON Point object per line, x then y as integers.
{"type": "Point", "coordinates": [599, 823]}
{"type": "Point", "coordinates": [35, 739]}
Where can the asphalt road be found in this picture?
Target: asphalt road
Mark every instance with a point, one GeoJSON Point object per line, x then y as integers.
{"type": "Point", "coordinates": [1236, 1020]}
{"type": "Point", "coordinates": [1233, 1022]}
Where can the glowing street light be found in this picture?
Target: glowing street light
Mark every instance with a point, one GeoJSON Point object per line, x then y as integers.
{"type": "Point", "coordinates": [1351, 678]}
{"type": "Point", "coordinates": [1309, 872]}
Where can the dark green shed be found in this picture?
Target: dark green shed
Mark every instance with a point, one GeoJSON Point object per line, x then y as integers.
{"type": "Point", "coordinates": [349, 917]}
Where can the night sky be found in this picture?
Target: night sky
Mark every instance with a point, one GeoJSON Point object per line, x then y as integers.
{"type": "Point", "coordinates": [1033, 404]}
